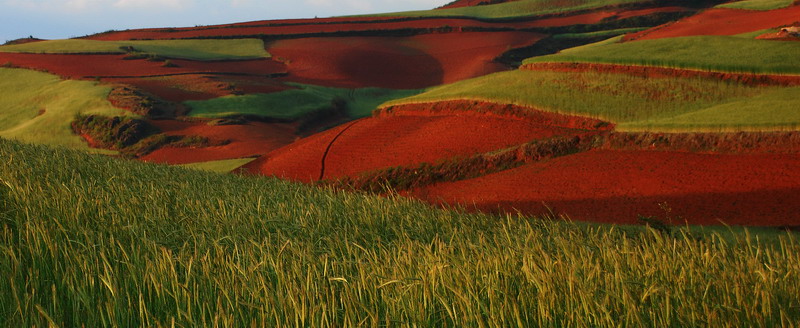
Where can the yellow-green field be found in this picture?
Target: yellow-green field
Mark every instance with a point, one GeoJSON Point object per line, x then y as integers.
{"type": "Point", "coordinates": [713, 53]}
{"type": "Point", "coordinates": [757, 4]}
{"type": "Point", "coordinates": [38, 107]}
{"type": "Point", "coordinates": [635, 103]}
{"type": "Point", "coordinates": [184, 49]}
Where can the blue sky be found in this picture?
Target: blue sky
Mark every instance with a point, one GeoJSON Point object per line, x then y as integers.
{"type": "Point", "coordinates": [58, 19]}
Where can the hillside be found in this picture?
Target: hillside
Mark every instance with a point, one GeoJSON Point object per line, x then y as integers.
{"type": "Point", "coordinates": [489, 163]}
{"type": "Point", "coordinates": [523, 106]}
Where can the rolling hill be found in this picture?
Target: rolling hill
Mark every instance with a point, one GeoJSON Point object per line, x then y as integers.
{"type": "Point", "coordinates": [488, 163]}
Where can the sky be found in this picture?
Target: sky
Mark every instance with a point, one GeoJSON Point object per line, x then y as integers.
{"type": "Point", "coordinates": [60, 19]}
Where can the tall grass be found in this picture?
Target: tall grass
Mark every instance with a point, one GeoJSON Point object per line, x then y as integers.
{"type": "Point", "coordinates": [186, 49]}
{"type": "Point", "coordinates": [38, 107]}
{"type": "Point", "coordinates": [712, 53]}
{"type": "Point", "coordinates": [622, 98]}
{"type": "Point", "coordinates": [93, 241]}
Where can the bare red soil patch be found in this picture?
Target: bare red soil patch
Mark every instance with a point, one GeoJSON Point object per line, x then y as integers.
{"type": "Point", "coordinates": [617, 186]}
{"type": "Point", "coordinates": [301, 160]}
{"type": "Point", "coordinates": [499, 110]}
{"type": "Point", "coordinates": [721, 21]}
{"type": "Point", "coordinates": [247, 140]}
{"type": "Point", "coordinates": [180, 88]}
{"type": "Point", "coordinates": [407, 139]}
{"type": "Point", "coordinates": [402, 63]}
{"type": "Point", "coordinates": [778, 36]}
{"type": "Point", "coordinates": [655, 72]}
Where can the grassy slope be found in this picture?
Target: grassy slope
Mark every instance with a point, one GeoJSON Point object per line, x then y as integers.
{"type": "Point", "coordinates": [758, 4]}
{"type": "Point", "coordinates": [605, 33]}
{"type": "Point", "coordinates": [633, 102]}
{"type": "Point", "coordinates": [773, 110]}
{"type": "Point", "coordinates": [134, 244]}
{"type": "Point", "coordinates": [25, 93]}
{"type": "Point", "coordinates": [296, 103]}
{"type": "Point", "coordinates": [514, 9]}
{"type": "Point", "coordinates": [221, 166]}
{"type": "Point", "coordinates": [186, 49]}
{"type": "Point", "coordinates": [717, 53]}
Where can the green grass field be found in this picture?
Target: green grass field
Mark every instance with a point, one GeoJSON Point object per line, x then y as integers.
{"type": "Point", "coordinates": [597, 34]}
{"type": "Point", "coordinates": [185, 49]}
{"type": "Point", "coordinates": [297, 103]}
{"type": "Point", "coordinates": [683, 104]}
{"type": "Point", "coordinates": [758, 4]}
{"type": "Point", "coordinates": [714, 53]}
{"type": "Point", "coordinates": [773, 110]}
{"type": "Point", "coordinates": [519, 8]}
{"type": "Point", "coordinates": [95, 241]}
{"type": "Point", "coordinates": [38, 107]}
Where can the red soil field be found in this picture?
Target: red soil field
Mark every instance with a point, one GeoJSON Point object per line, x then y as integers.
{"type": "Point", "coordinates": [400, 140]}
{"type": "Point", "coordinates": [721, 21]}
{"type": "Point", "coordinates": [248, 140]}
{"type": "Point", "coordinates": [400, 63]}
{"type": "Point", "coordinates": [302, 29]}
{"type": "Point", "coordinates": [82, 66]}
{"type": "Point", "coordinates": [656, 72]}
{"type": "Point", "coordinates": [179, 88]}
{"type": "Point", "coordinates": [616, 186]}
{"type": "Point", "coordinates": [363, 24]}
{"type": "Point", "coordinates": [598, 16]}
{"type": "Point", "coordinates": [498, 110]}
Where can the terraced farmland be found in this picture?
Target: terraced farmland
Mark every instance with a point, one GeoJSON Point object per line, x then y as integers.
{"type": "Point", "coordinates": [489, 163]}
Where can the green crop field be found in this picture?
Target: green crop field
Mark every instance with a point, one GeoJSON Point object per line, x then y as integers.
{"type": "Point", "coordinates": [38, 107]}
{"type": "Point", "coordinates": [96, 241]}
{"type": "Point", "coordinates": [297, 103]}
{"type": "Point", "coordinates": [714, 53]}
{"type": "Point", "coordinates": [519, 8]}
{"type": "Point", "coordinates": [185, 49]}
{"type": "Point", "coordinates": [221, 166]}
{"type": "Point", "coordinates": [773, 110]}
{"type": "Point", "coordinates": [631, 101]}
{"type": "Point", "coordinates": [597, 34]}
{"type": "Point", "coordinates": [758, 4]}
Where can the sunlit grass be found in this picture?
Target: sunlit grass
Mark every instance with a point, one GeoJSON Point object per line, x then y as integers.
{"type": "Point", "coordinates": [713, 53]}
{"type": "Point", "coordinates": [758, 4]}
{"type": "Point", "coordinates": [38, 107]}
{"type": "Point", "coordinates": [774, 110]}
{"type": "Point", "coordinates": [94, 241]}
{"type": "Point", "coordinates": [221, 166]}
{"type": "Point", "coordinates": [622, 98]}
